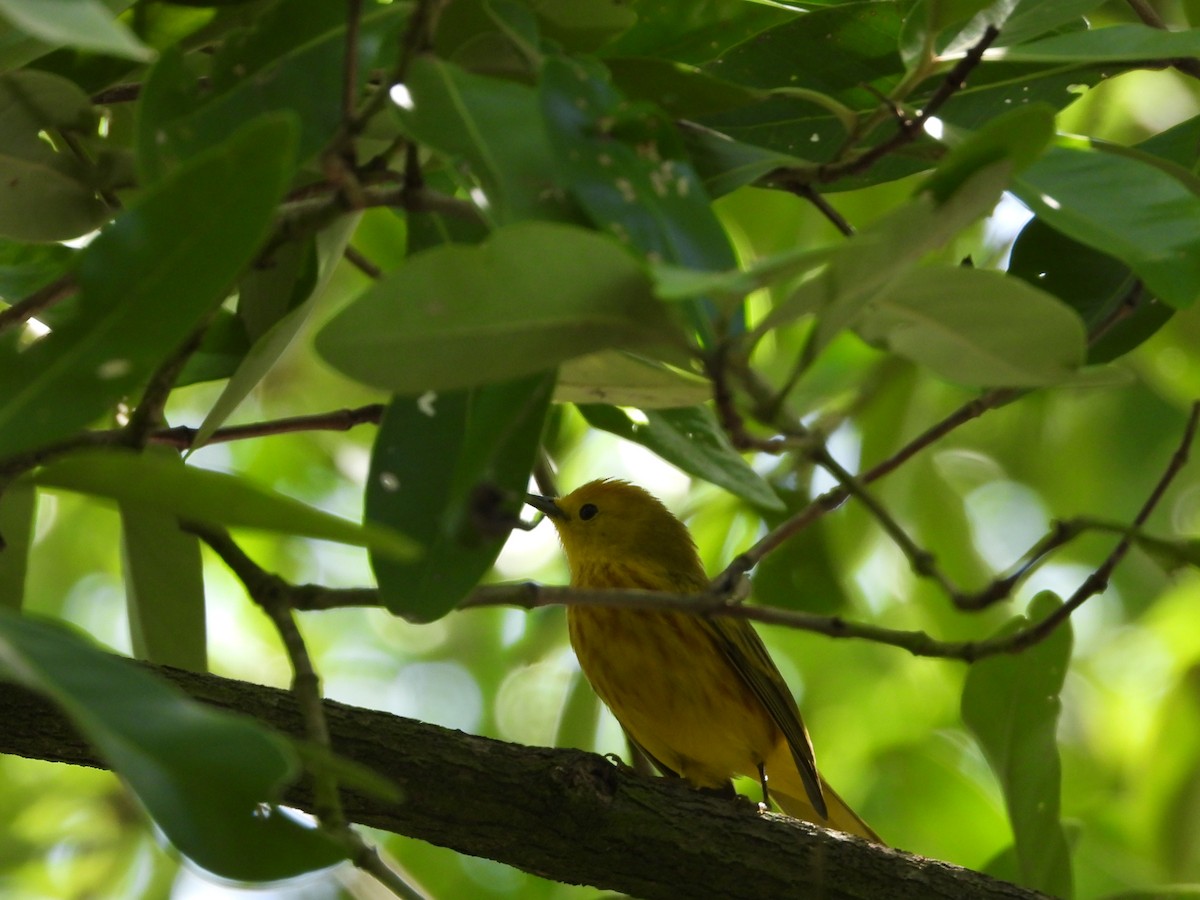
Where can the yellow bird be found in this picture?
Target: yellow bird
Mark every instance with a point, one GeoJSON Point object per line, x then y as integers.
{"type": "Point", "coordinates": [701, 697]}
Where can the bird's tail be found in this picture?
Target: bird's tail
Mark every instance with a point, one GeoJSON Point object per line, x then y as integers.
{"type": "Point", "coordinates": [841, 817]}
{"type": "Point", "coordinates": [786, 787]}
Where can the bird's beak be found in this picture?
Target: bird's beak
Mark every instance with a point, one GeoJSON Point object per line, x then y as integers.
{"type": "Point", "coordinates": [545, 505]}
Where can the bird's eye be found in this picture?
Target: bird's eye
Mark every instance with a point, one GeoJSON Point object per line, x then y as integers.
{"type": "Point", "coordinates": [587, 511]}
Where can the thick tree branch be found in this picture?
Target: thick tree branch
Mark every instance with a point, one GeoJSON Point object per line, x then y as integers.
{"type": "Point", "coordinates": [563, 814]}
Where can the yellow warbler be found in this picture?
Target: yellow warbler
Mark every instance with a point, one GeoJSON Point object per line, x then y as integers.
{"type": "Point", "coordinates": [701, 697]}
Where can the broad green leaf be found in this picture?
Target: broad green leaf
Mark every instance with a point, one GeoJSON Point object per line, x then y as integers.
{"type": "Point", "coordinates": [164, 583]}
{"type": "Point", "coordinates": [849, 54]}
{"type": "Point", "coordinates": [1019, 136]}
{"type": "Point", "coordinates": [495, 125]}
{"type": "Point", "coordinates": [26, 267]}
{"type": "Point", "coordinates": [878, 254]}
{"type": "Point", "coordinates": [450, 469]}
{"type": "Point", "coordinates": [18, 47]}
{"type": "Point", "coordinates": [1011, 704]}
{"type": "Point", "coordinates": [1031, 18]}
{"type": "Point", "coordinates": [533, 295]}
{"type": "Point", "coordinates": [224, 346]}
{"type": "Point", "coordinates": [682, 91]}
{"type": "Point", "coordinates": [1155, 229]}
{"type": "Point", "coordinates": [724, 165]}
{"type": "Point", "coordinates": [145, 283]}
{"type": "Point", "coordinates": [18, 508]}
{"type": "Point", "coordinates": [976, 327]}
{"type": "Point", "coordinates": [271, 344]}
{"type": "Point", "coordinates": [623, 379]}
{"type": "Point", "coordinates": [694, 33]}
{"type": "Point", "coordinates": [692, 439]}
{"type": "Point", "coordinates": [1114, 43]}
{"type": "Point", "coordinates": [162, 486]}
{"type": "Point", "coordinates": [290, 61]}
{"type": "Point", "coordinates": [1092, 283]}
{"type": "Point", "coordinates": [625, 165]}
{"type": "Point", "coordinates": [209, 778]}
{"type": "Point", "coordinates": [86, 24]}
{"type": "Point", "coordinates": [47, 195]}
{"type": "Point", "coordinates": [583, 25]}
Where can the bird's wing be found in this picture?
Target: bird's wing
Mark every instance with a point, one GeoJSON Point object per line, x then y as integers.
{"type": "Point", "coordinates": [745, 651]}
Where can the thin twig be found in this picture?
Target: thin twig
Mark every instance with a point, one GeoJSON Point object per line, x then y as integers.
{"type": "Point", "coordinates": [823, 206]}
{"type": "Point", "coordinates": [360, 262]}
{"type": "Point", "coordinates": [1097, 582]}
{"type": "Point", "coordinates": [183, 437]}
{"type": "Point", "coordinates": [1149, 16]}
{"type": "Point", "coordinates": [40, 300]}
{"type": "Point", "coordinates": [148, 414]}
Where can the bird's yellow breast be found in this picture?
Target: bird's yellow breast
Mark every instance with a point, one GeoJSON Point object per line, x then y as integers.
{"type": "Point", "coordinates": [674, 691]}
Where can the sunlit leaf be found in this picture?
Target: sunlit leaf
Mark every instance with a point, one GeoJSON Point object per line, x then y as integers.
{"type": "Point", "coordinates": [186, 492]}
{"type": "Point", "coordinates": [533, 295]}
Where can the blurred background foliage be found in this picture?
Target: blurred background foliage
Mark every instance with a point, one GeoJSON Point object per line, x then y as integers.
{"type": "Point", "coordinates": [886, 725]}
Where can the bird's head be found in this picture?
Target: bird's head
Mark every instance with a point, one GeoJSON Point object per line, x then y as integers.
{"type": "Point", "coordinates": [615, 521]}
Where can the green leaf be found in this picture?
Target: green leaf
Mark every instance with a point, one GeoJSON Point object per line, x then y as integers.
{"type": "Point", "coordinates": [204, 775]}
{"type": "Point", "coordinates": [583, 25]}
{"type": "Point", "coordinates": [26, 267]}
{"type": "Point", "coordinates": [1092, 283]}
{"type": "Point", "coordinates": [1019, 136]}
{"type": "Point", "coordinates": [1155, 229]}
{"type": "Point", "coordinates": [1132, 42]}
{"type": "Point", "coordinates": [976, 327]}
{"type": "Point", "coordinates": [145, 283]}
{"type": "Point", "coordinates": [1031, 18]}
{"type": "Point", "coordinates": [1011, 704]}
{"type": "Point", "coordinates": [271, 343]}
{"type": "Point", "coordinates": [164, 584]}
{"type": "Point", "coordinates": [624, 379]}
{"type": "Point", "coordinates": [692, 439]}
{"type": "Point", "coordinates": [533, 295]}
{"type": "Point", "coordinates": [495, 125]}
{"type": "Point", "coordinates": [682, 91]}
{"type": "Point", "coordinates": [724, 165]}
{"type": "Point", "coordinates": [224, 346]}
{"type": "Point", "coordinates": [451, 470]}
{"type": "Point", "coordinates": [625, 165]}
{"type": "Point", "coordinates": [878, 254]}
{"type": "Point", "coordinates": [162, 486]}
{"type": "Point", "coordinates": [18, 508]}
{"type": "Point", "coordinates": [290, 61]}
{"type": "Point", "coordinates": [86, 24]}
{"type": "Point", "coordinates": [46, 194]}
{"type": "Point", "coordinates": [693, 32]}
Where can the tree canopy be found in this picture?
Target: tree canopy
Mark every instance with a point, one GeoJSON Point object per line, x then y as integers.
{"type": "Point", "coordinates": [892, 301]}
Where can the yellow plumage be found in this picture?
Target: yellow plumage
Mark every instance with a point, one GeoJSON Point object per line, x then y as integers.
{"type": "Point", "coordinates": [700, 696]}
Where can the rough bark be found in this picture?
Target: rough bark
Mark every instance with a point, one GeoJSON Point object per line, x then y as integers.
{"type": "Point", "coordinates": [563, 814]}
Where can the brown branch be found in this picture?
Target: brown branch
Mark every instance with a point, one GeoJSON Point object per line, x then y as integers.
{"type": "Point", "coordinates": [561, 814]}
{"type": "Point", "coordinates": [360, 262]}
{"type": "Point", "coordinates": [148, 414]}
{"type": "Point", "coordinates": [182, 437]}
